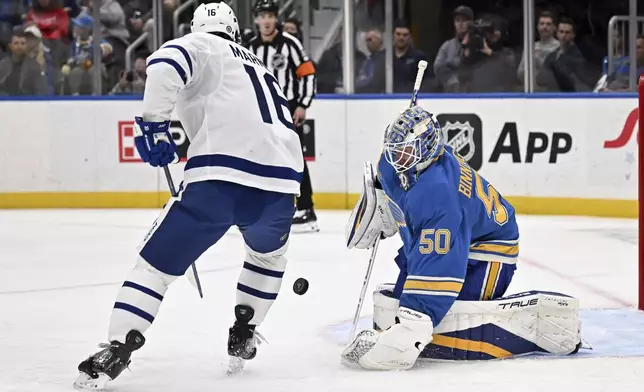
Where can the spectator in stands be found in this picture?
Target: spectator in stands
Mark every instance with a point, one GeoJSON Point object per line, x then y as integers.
{"type": "Point", "coordinates": [619, 81]}
{"type": "Point", "coordinates": [19, 73]}
{"type": "Point", "coordinates": [406, 59]}
{"type": "Point", "coordinates": [135, 22]}
{"type": "Point", "coordinates": [80, 66]}
{"type": "Point", "coordinates": [53, 22]}
{"type": "Point", "coordinates": [547, 43]}
{"type": "Point", "coordinates": [137, 9]}
{"type": "Point", "coordinates": [371, 77]}
{"type": "Point", "coordinates": [11, 14]}
{"type": "Point", "coordinates": [132, 82]}
{"type": "Point", "coordinates": [137, 13]}
{"type": "Point", "coordinates": [113, 30]}
{"type": "Point", "coordinates": [38, 51]}
{"type": "Point", "coordinates": [487, 66]}
{"type": "Point", "coordinates": [565, 69]}
{"type": "Point", "coordinates": [293, 27]}
{"type": "Point", "coordinates": [51, 19]}
{"type": "Point", "coordinates": [169, 6]}
{"type": "Point", "coordinates": [329, 70]}
{"type": "Point", "coordinates": [448, 59]}
{"type": "Point", "coordinates": [72, 7]}
{"type": "Point", "coordinates": [620, 59]}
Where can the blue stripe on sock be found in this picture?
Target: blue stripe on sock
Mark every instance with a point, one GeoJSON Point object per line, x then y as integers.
{"type": "Point", "coordinates": [263, 271]}
{"type": "Point", "coordinates": [134, 310]}
{"type": "Point", "coordinates": [143, 289]}
{"type": "Point", "coordinates": [256, 293]}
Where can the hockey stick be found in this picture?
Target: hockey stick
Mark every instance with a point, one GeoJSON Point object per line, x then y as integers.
{"type": "Point", "coordinates": [422, 65]}
{"type": "Point", "coordinates": [173, 192]}
{"type": "Point", "coordinates": [363, 292]}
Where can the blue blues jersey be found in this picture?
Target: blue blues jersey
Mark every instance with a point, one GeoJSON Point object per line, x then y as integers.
{"type": "Point", "coordinates": [82, 51]}
{"type": "Point", "coordinates": [452, 217]}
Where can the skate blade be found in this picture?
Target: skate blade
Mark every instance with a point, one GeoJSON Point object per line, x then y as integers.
{"type": "Point", "coordinates": [235, 366]}
{"type": "Point", "coordinates": [85, 383]}
{"type": "Point", "coordinates": [311, 227]}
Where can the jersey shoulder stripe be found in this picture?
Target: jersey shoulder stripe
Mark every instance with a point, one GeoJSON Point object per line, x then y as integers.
{"type": "Point", "coordinates": [185, 54]}
{"type": "Point", "coordinates": [172, 63]}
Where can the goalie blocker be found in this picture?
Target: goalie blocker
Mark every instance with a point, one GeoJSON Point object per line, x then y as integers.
{"type": "Point", "coordinates": [534, 322]}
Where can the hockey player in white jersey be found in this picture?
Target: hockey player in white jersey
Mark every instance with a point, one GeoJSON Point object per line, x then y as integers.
{"type": "Point", "coordinates": [244, 167]}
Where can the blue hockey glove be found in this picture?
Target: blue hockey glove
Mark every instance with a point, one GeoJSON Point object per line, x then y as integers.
{"type": "Point", "coordinates": [154, 142]}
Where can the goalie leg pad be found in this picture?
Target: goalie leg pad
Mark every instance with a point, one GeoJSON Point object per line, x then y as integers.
{"type": "Point", "coordinates": [385, 307]}
{"type": "Point", "coordinates": [535, 322]}
{"type": "Point", "coordinates": [138, 300]}
{"type": "Point", "coordinates": [397, 348]}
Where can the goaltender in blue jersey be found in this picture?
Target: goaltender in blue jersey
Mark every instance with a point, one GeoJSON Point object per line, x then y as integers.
{"type": "Point", "coordinates": [462, 239]}
{"type": "Point", "coordinates": [460, 248]}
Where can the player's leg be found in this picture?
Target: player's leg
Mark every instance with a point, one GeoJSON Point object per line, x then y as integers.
{"type": "Point", "coordinates": [482, 324]}
{"type": "Point", "coordinates": [498, 327]}
{"type": "Point", "coordinates": [187, 227]}
{"type": "Point", "coordinates": [486, 280]}
{"type": "Point", "coordinates": [264, 219]}
{"type": "Point", "coordinates": [304, 219]}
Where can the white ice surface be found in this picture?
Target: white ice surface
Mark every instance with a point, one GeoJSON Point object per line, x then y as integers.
{"type": "Point", "coordinates": [61, 269]}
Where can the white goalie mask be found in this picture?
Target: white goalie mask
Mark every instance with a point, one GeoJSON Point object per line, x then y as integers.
{"type": "Point", "coordinates": [413, 137]}
{"type": "Point", "coordinates": [215, 18]}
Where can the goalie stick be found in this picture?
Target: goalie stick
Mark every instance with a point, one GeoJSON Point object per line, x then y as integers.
{"type": "Point", "coordinates": [363, 292]}
{"type": "Point", "coordinates": [173, 192]}
{"type": "Point", "coordinates": [422, 65]}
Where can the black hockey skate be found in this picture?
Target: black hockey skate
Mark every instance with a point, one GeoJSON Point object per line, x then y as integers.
{"type": "Point", "coordinates": [242, 339]}
{"type": "Point", "coordinates": [104, 366]}
{"type": "Point", "coordinates": [305, 221]}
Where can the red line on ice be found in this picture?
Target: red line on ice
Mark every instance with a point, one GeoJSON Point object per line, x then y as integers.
{"type": "Point", "coordinates": [577, 281]}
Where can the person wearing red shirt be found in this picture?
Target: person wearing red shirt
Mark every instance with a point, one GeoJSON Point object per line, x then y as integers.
{"type": "Point", "coordinates": [51, 19]}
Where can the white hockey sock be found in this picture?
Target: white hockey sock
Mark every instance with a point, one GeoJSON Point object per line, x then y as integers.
{"type": "Point", "coordinates": [138, 301]}
{"type": "Point", "coordinates": [260, 281]}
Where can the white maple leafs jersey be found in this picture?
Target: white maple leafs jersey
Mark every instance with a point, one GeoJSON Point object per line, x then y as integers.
{"type": "Point", "coordinates": [232, 109]}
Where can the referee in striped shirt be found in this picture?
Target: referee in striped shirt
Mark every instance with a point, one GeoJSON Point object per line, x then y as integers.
{"type": "Point", "coordinates": [284, 55]}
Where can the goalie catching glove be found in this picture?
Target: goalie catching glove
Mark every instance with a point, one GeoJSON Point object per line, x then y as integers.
{"type": "Point", "coordinates": [372, 216]}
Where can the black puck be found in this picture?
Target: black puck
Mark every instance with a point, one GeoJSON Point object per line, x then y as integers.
{"type": "Point", "coordinates": [300, 286]}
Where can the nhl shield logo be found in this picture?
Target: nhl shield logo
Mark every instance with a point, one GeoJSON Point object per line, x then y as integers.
{"type": "Point", "coordinates": [463, 132]}
{"type": "Point", "coordinates": [461, 137]}
{"type": "Point", "coordinates": [278, 61]}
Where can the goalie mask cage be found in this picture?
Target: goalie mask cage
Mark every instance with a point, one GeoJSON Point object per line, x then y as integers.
{"type": "Point", "coordinates": [640, 196]}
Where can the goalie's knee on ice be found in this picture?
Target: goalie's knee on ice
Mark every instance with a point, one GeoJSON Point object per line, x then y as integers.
{"type": "Point", "coordinates": [525, 323]}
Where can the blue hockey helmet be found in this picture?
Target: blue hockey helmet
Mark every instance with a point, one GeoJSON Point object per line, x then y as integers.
{"type": "Point", "coordinates": [412, 138]}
